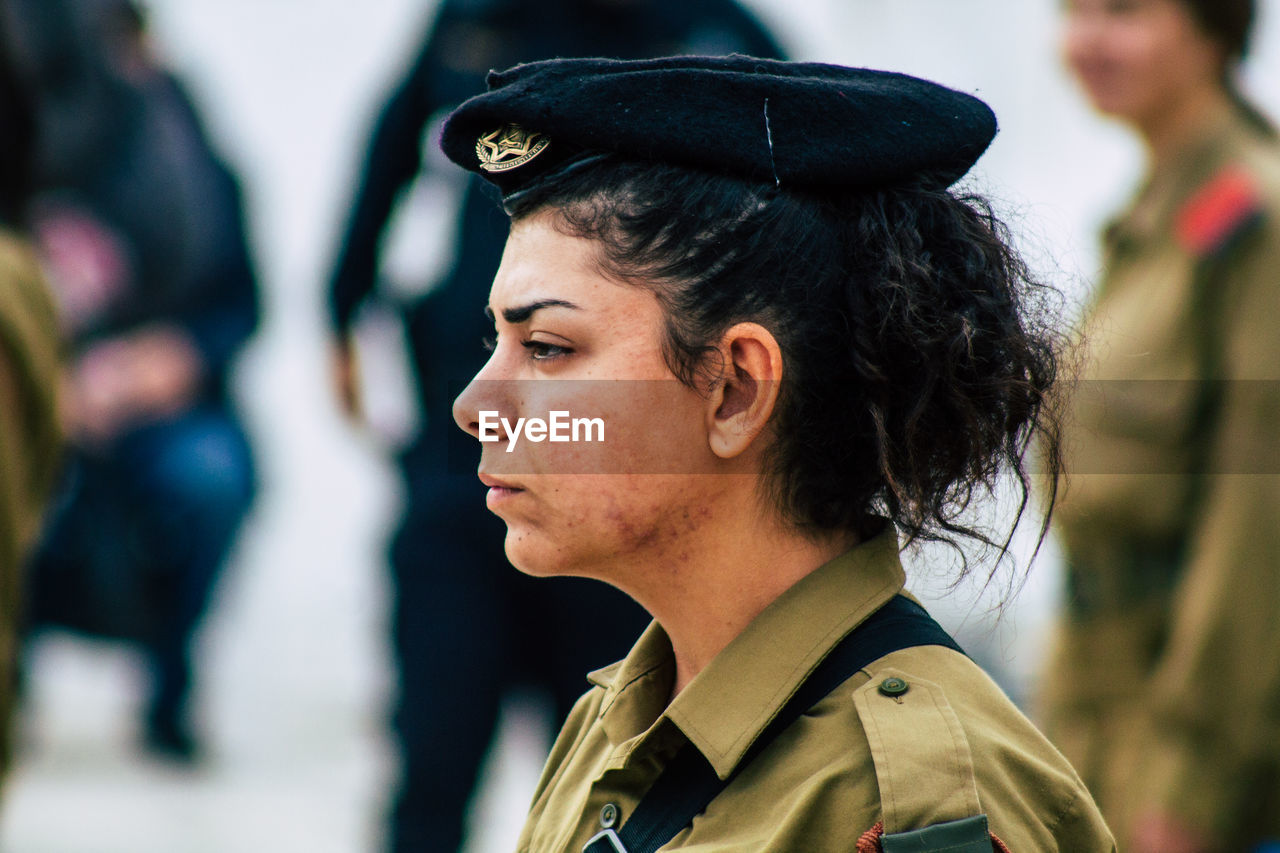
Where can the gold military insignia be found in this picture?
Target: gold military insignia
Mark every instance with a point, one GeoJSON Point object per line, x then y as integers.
{"type": "Point", "coordinates": [509, 147]}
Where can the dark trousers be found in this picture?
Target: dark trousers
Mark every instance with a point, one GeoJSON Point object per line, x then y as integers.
{"type": "Point", "coordinates": [467, 627]}
{"type": "Point", "coordinates": [138, 537]}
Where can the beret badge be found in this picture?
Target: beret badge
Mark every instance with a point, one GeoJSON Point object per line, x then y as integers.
{"type": "Point", "coordinates": [509, 147]}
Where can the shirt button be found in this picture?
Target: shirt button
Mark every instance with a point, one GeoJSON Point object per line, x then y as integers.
{"type": "Point", "coordinates": [609, 816]}
{"type": "Point", "coordinates": [893, 687]}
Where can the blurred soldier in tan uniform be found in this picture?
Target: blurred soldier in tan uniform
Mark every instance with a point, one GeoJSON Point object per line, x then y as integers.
{"type": "Point", "coordinates": [1165, 691]}
{"type": "Point", "coordinates": [29, 434]}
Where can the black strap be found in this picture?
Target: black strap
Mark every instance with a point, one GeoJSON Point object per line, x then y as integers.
{"type": "Point", "coordinates": [688, 784]}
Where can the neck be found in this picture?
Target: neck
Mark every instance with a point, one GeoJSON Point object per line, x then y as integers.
{"type": "Point", "coordinates": [1167, 133]}
{"type": "Point", "coordinates": [706, 595]}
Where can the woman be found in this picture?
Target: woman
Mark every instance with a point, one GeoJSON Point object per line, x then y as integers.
{"type": "Point", "coordinates": [1165, 692]}
{"type": "Point", "coordinates": [798, 345]}
{"type": "Point", "coordinates": [445, 621]}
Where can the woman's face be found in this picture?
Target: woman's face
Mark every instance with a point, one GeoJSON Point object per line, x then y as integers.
{"type": "Point", "coordinates": [1138, 58]}
{"type": "Point", "coordinates": [571, 340]}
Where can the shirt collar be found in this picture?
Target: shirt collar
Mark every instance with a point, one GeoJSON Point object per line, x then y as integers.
{"type": "Point", "coordinates": [728, 704]}
{"type": "Point", "coordinates": [638, 687]}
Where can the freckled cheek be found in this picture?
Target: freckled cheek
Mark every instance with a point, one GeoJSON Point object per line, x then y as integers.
{"type": "Point", "coordinates": [655, 510]}
{"type": "Point", "coordinates": [596, 508]}
{"type": "Point", "coordinates": [593, 526]}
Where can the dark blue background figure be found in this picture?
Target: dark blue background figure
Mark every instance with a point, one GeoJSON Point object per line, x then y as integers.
{"type": "Point", "coordinates": [466, 626]}
{"type": "Point", "coordinates": [142, 229]}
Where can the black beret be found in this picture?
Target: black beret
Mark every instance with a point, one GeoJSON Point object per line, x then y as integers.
{"type": "Point", "coordinates": [796, 124]}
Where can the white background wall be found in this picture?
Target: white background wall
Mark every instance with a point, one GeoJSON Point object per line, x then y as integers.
{"type": "Point", "coordinates": [295, 653]}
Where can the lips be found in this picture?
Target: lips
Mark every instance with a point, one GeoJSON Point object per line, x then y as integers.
{"type": "Point", "coordinates": [494, 483]}
{"type": "Point", "coordinates": [500, 491]}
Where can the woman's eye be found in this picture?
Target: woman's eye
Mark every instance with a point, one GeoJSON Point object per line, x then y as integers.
{"type": "Point", "coordinates": [540, 351]}
{"type": "Point", "coordinates": [489, 343]}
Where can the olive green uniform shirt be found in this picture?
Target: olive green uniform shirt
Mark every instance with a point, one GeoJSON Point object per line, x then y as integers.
{"type": "Point", "coordinates": [1165, 690]}
{"type": "Point", "coordinates": [29, 434]}
{"type": "Point", "coordinates": [856, 758]}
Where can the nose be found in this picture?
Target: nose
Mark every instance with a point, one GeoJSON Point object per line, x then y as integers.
{"type": "Point", "coordinates": [484, 393]}
{"type": "Point", "coordinates": [467, 406]}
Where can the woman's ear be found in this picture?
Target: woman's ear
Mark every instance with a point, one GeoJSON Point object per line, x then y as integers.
{"type": "Point", "coordinates": [743, 400]}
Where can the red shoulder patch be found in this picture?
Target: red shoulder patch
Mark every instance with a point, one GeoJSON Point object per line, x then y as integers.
{"type": "Point", "coordinates": [1218, 211]}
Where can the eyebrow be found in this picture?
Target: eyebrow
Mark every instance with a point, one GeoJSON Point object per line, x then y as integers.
{"type": "Point", "coordinates": [522, 313]}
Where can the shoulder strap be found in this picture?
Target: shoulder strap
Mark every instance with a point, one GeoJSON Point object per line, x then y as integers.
{"type": "Point", "coordinates": [1210, 226]}
{"type": "Point", "coordinates": [924, 766]}
{"type": "Point", "coordinates": [689, 784]}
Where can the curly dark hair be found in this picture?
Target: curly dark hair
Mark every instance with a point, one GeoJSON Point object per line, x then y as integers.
{"type": "Point", "coordinates": [917, 354]}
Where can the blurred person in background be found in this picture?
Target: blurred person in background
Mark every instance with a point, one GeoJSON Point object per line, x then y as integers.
{"type": "Point", "coordinates": [141, 227]}
{"type": "Point", "coordinates": [1165, 689]}
{"type": "Point", "coordinates": [30, 435]}
{"type": "Point", "coordinates": [465, 626]}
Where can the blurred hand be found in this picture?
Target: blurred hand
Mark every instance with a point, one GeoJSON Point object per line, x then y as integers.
{"type": "Point", "coordinates": [148, 374]}
{"type": "Point", "coordinates": [1163, 833]}
{"type": "Point", "coordinates": [345, 374]}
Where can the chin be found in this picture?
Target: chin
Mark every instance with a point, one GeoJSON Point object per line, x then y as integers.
{"type": "Point", "coordinates": [533, 555]}
{"type": "Point", "coordinates": [540, 556]}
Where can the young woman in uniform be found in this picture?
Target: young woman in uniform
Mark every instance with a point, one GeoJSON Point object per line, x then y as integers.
{"type": "Point", "coordinates": [803, 350]}
{"type": "Point", "coordinates": [1165, 692]}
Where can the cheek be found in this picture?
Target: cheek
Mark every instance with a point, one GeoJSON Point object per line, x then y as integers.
{"type": "Point", "coordinates": [607, 526]}
{"type": "Point", "coordinates": [1156, 61]}
{"type": "Point", "coordinates": [660, 428]}
{"type": "Point", "coordinates": [610, 428]}
{"type": "Point", "coordinates": [1153, 60]}
{"type": "Point", "coordinates": [1124, 68]}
